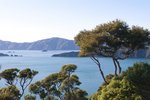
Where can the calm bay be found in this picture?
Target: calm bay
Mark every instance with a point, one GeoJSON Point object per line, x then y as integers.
{"type": "Point", "coordinates": [45, 64]}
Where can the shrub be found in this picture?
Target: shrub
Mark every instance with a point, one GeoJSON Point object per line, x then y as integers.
{"type": "Point", "coordinates": [132, 84]}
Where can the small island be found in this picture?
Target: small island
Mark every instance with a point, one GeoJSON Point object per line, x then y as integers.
{"type": "Point", "coordinates": [67, 54]}
{"type": "Point", "coordinates": [3, 55]}
{"type": "Point", "coordinates": [7, 55]}
{"type": "Point", "coordinates": [44, 50]}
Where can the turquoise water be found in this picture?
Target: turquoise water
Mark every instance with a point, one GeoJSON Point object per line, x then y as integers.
{"type": "Point", "coordinates": [45, 64]}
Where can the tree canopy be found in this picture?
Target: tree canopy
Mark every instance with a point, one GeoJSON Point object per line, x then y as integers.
{"type": "Point", "coordinates": [60, 86]}
{"type": "Point", "coordinates": [17, 78]}
{"type": "Point", "coordinates": [114, 39]}
{"type": "Point", "coordinates": [9, 93]}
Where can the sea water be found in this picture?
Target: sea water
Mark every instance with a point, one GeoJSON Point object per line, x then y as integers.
{"type": "Point", "coordinates": [45, 64]}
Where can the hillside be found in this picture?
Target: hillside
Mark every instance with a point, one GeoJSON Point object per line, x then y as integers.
{"type": "Point", "coordinates": [57, 44]}
{"type": "Point", "coordinates": [45, 44]}
{"type": "Point", "coordinates": [67, 54]}
{"type": "Point", "coordinates": [145, 53]}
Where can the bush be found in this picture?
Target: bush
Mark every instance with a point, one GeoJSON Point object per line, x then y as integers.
{"type": "Point", "coordinates": [132, 84]}
{"type": "Point", "coordinates": [139, 75]}
{"type": "Point", "coordinates": [119, 89]}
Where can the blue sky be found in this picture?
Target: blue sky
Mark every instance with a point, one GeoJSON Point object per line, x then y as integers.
{"type": "Point", "coordinates": [31, 20]}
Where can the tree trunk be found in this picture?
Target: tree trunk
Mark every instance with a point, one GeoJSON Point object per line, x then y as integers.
{"type": "Point", "coordinates": [102, 73]}
{"type": "Point", "coordinates": [120, 69]}
{"type": "Point", "coordinates": [115, 66]}
{"type": "Point", "coordinates": [99, 66]}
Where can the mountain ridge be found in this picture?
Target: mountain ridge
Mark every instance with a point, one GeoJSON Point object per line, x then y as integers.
{"type": "Point", "coordinates": [54, 43]}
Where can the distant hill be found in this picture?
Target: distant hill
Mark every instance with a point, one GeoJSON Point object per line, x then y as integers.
{"type": "Point", "coordinates": [2, 54]}
{"type": "Point", "coordinates": [143, 53]}
{"type": "Point", "coordinates": [67, 54]}
{"type": "Point", "coordinates": [45, 44]}
{"type": "Point", "coordinates": [58, 44]}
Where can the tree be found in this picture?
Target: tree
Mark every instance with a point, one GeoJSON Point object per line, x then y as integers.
{"type": "Point", "coordinates": [26, 76]}
{"type": "Point", "coordinates": [10, 75]}
{"type": "Point", "coordinates": [59, 86]}
{"type": "Point", "coordinates": [113, 39]}
{"type": "Point", "coordinates": [48, 87]}
{"type": "Point", "coordinates": [9, 93]}
{"type": "Point", "coordinates": [15, 77]}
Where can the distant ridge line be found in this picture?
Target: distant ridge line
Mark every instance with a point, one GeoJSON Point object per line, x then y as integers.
{"type": "Point", "coordinates": [54, 43]}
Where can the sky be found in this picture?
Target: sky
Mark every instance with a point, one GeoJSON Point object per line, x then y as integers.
{"type": "Point", "coordinates": [31, 20]}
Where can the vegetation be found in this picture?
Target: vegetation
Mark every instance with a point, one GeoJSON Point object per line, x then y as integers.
{"type": "Point", "coordinates": [60, 86]}
{"type": "Point", "coordinates": [9, 93]}
{"type": "Point", "coordinates": [57, 86]}
{"type": "Point", "coordinates": [2, 54]}
{"type": "Point", "coordinates": [64, 85]}
{"type": "Point", "coordinates": [140, 77]}
{"type": "Point", "coordinates": [119, 89]}
{"type": "Point", "coordinates": [133, 84]}
{"type": "Point", "coordinates": [30, 97]}
{"type": "Point", "coordinates": [67, 54]}
{"type": "Point", "coordinates": [13, 78]}
{"type": "Point", "coordinates": [114, 39]}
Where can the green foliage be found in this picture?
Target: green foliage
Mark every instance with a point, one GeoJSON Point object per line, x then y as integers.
{"type": "Point", "coordinates": [139, 71]}
{"type": "Point", "coordinates": [132, 84]}
{"type": "Point", "coordinates": [119, 89]}
{"type": "Point", "coordinates": [62, 85]}
{"type": "Point", "coordinates": [108, 38]}
{"type": "Point", "coordinates": [26, 76]}
{"type": "Point", "coordinates": [51, 98]}
{"type": "Point", "coordinates": [114, 39]}
{"type": "Point", "coordinates": [30, 97]}
{"type": "Point", "coordinates": [138, 38]}
{"type": "Point", "coordinates": [68, 69]}
{"type": "Point", "coordinates": [69, 83]}
{"type": "Point", "coordinates": [9, 93]}
{"type": "Point", "coordinates": [9, 75]}
{"type": "Point", "coordinates": [139, 75]}
{"type": "Point", "coordinates": [27, 73]}
{"type": "Point", "coordinates": [80, 94]}
{"type": "Point", "coordinates": [47, 87]}
{"type": "Point", "coordinates": [15, 77]}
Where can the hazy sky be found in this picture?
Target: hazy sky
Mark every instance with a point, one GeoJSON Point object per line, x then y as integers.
{"type": "Point", "coordinates": [30, 20]}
